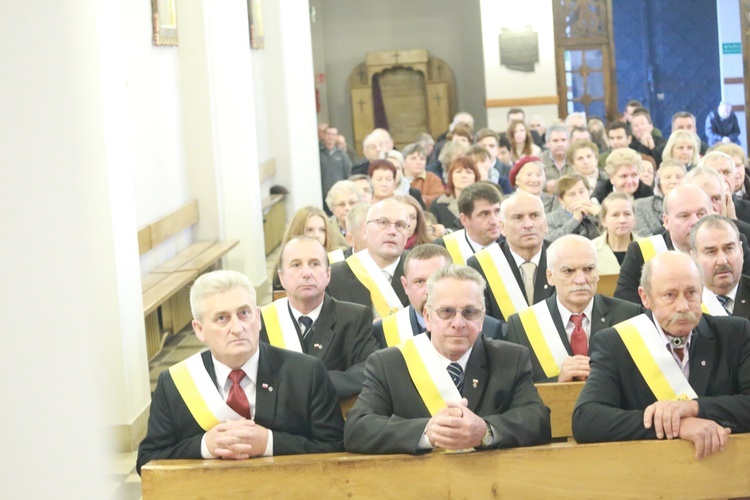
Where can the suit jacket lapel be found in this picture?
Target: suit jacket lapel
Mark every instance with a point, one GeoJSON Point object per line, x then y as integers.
{"type": "Point", "coordinates": [266, 387]}
{"type": "Point", "coordinates": [208, 363]}
{"type": "Point", "coordinates": [742, 299]}
{"type": "Point", "coordinates": [322, 334]}
{"type": "Point", "coordinates": [513, 267]}
{"type": "Point", "coordinates": [476, 371]}
{"type": "Point", "coordinates": [396, 280]}
{"type": "Point", "coordinates": [599, 321]}
{"type": "Point", "coordinates": [540, 284]}
{"type": "Point", "coordinates": [557, 320]}
{"type": "Point", "coordinates": [702, 350]}
{"type": "Point", "coordinates": [413, 320]}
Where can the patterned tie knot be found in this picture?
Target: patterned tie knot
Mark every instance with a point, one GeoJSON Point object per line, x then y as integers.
{"type": "Point", "coordinates": [457, 374]}
{"type": "Point", "coordinates": [387, 275]}
{"type": "Point", "coordinates": [577, 319]}
{"type": "Point", "coordinates": [724, 300]}
{"type": "Point", "coordinates": [236, 376]}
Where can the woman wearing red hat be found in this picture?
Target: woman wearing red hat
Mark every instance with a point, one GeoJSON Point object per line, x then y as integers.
{"type": "Point", "coordinates": [528, 175]}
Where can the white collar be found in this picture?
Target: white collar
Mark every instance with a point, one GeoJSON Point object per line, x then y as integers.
{"type": "Point", "coordinates": [313, 315]}
{"type": "Point", "coordinates": [463, 360]}
{"type": "Point", "coordinates": [391, 268]}
{"type": "Point", "coordinates": [250, 368]}
{"type": "Point", "coordinates": [520, 260]}
{"type": "Point", "coordinates": [565, 314]}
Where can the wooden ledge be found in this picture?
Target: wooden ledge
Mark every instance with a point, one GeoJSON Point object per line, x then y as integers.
{"type": "Point", "coordinates": [563, 470]}
{"type": "Point", "coordinates": [164, 289]}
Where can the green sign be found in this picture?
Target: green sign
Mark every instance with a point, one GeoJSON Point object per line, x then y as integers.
{"type": "Point", "coordinates": [731, 48]}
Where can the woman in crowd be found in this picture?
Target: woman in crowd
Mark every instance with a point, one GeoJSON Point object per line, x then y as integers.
{"type": "Point", "coordinates": [618, 219]}
{"type": "Point", "coordinates": [461, 173]}
{"type": "Point", "coordinates": [598, 133]}
{"type": "Point", "coordinates": [521, 141]}
{"type": "Point", "coordinates": [647, 173]}
{"type": "Point", "coordinates": [528, 175]}
{"type": "Point", "coordinates": [419, 231]}
{"type": "Point", "coordinates": [649, 210]}
{"type": "Point", "coordinates": [403, 186]}
{"type": "Point", "coordinates": [340, 199]}
{"type": "Point", "coordinates": [385, 175]}
{"type": "Point", "coordinates": [427, 183]}
{"type": "Point", "coordinates": [578, 214]}
{"type": "Point", "coordinates": [683, 146]}
{"type": "Point", "coordinates": [309, 221]}
{"type": "Point", "coordinates": [484, 162]}
{"type": "Point", "coordinates": [448, 154]}
{"type": "Point", "coordinates": [623, 168]}
{"type": "Point", "coordinates": [583, 156]}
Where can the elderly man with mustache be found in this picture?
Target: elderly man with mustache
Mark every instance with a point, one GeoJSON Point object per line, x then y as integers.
{"type": "Point", "coordinates": [571, 316]}
{"type": "Point", "coordinates": [670, 373]}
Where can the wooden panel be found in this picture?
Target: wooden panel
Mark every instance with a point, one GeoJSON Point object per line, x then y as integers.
{"type": "Point", "coordinates": [561, 400]}
{"type": "Point", "coordinates": [397, 57]}
{"type": "Point", "coordinates": [153, 335]}
{"type": "Point", "coordinates": [209, 256]}
{"type": "Point", "coordinates": [144, 240]}
{"type": "Point", "coordinates": [278, 294]}
{"type": "Point", "coordinates": [438, 108]}
{"type": "Point", "coordinates": [176, 313]}
{"type": "Point", "coordinates": [522, 101]}
{"type": "Point", "coordinates": [174, 222]}
{"type": "Point", "coordinates": [273, 226]}
{"type": "Point", "coordinates": [363, 120]}
{"type": "Point", "coordinates": [404, 100]}
{"type": "Point", "coordinates": [607, 284]}
{"type": "Point", "coordinates": [151, 280]}
{"type": "Point", "coordinates": [184, 257]}
{"type": "Point", "coordinates": [635, 469]}
{"type": "Point", "coordinates": [162, 291]}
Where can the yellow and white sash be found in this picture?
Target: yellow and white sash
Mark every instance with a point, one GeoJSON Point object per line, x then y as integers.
{"type": "Point", "coordinates": [503, 284]}
{"type": "Point", "coordinates": [654, 361]}
{"type": "Point", "coordinates": [397, 328]}
{"type": "Point", "coordinates": [544, 338]}
{"type": "Point", "coordinates": [711, 304]}
{"type": "Point", "coordinates": [336, 256]}
{"type": "Point", "coordinates": [384, 299]}
{"type": "Point", "coordinates": [428, 373]}
{"type": "Point", "coordinates": [199, 393]}
{"type": "Point", "coordinates": [652, 246]}
{"type": "Point", "coordinates": [458, 247]}
{"type": "Point", "coordinates": [280, 326]}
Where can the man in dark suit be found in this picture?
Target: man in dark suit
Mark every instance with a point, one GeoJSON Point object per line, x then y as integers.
{"type": "Point", "coordinates": [385, 230]}
{"type": "Point", "coordinates": [724, 165]}
{"type": "Point", "coordinates": [523, 223]}
{"type": "Point", "coordinates": [711, 355]}
{"type": "Point", "coordinates": [493, 403]}
{"type": "Point", "coordinates": [479, 211]}
{"type": "Point", "coordinates": [684, 205]}
{"type": "Point", "coordinates": [239, 399]}
{"type": "Point", "coordinates": [715, 244]}
{"type": "Point", "coordinates": [572, 270]}
{"type": "Point", "coordinates": [419, 264]}
{"type": "Point", "coordinates": [337, 333]}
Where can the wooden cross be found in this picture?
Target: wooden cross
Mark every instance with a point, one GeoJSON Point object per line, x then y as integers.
{"type": "Point", "coordinates": [438, 99]}
{"type": "Point", "coordinates": [439, 69]}
{"type": "Point", "coordinates": [361, 103]}
{"type": "Point", "coordinates": [395, 56]}
{"type": "Point", "coordinates": [363, 74]}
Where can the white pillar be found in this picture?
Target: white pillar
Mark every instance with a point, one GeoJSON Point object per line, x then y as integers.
{"type": "Point", "coordinates": [73, 354]}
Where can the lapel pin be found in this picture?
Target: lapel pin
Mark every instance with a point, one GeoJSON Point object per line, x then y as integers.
{"type": "Point", "coordinates": [317, 346]}
{"type": "Point", "coordinates": [703, 363]}
{"type": "Point", "coordinates": [743, 301]}
{"type": "Point", "coordinates": [545, 287]}
{"type": "Point", "coordinates": [265, 386]}
{"type": "Point", "coordinates": [474, 383]}
{"type": "Point", "coordinates": [602, 320]}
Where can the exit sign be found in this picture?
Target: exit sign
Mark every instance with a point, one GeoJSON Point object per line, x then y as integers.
{"type": "Point", "coordinates": [731, 48]}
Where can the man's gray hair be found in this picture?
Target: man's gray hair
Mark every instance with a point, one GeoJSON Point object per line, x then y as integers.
{"type": "Point", "coordinates": [695, 174]}
{"type": "Point", "coordinates": [562, 242]}
{"type": "Point", "coordinates": [342, 189]}
{"type": "Point", "coordinates": [715, 156]}
{"type": "Point", "coordinates": [356, 217]}
{"type": "Point", "coordinates": [713, 221]}
{"type": "Point", "coordinates": [455, 271]}
{"type": "Point", "coordinates": [557, 127]}
{"type": "Point", "coordinates": [216, 282]}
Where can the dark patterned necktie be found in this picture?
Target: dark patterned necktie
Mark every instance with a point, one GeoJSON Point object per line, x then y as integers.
{"type": "Point", "coordinates": [307, 322]}
{"type": "Point", "coordinates": [724, 301]}
{"type": "Point", "coordinates": [457, 374]}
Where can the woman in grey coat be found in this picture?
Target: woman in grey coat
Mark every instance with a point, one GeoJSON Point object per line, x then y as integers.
{"type": "Point", "coordinates": [649, 210]}
{"type": "Point", "coordinates": [578, 214]}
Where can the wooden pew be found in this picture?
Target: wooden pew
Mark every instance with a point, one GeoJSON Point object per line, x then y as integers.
{"type": "Point", "coordinates": [166, 301]}
{"type": "Point", "coordinates": [560, 470]}
{"type": "Point", "coordinates": [559, 397]}
{"type": "Point", "coordinates": [607, 284]}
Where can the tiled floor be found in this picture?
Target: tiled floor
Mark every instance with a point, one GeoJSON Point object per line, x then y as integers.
{"type": "Point", "coordinates": [125, 483]}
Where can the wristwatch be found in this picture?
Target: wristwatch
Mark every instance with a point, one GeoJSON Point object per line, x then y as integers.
{"type": "Point", "coordinates": [488, 437]}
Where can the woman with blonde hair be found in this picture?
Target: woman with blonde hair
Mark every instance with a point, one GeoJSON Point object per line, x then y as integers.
{"type": "Point", "coordinates": [623, 167]}
{"type": "Point", "coordinates": [618, 220]}
{"type": "Point", "coordinates": [683, 146]}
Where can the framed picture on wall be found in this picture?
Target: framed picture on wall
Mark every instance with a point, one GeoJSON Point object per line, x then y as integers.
{"type": "Point", "coordinates": [164, 16]}
{"type": "Point", "coordinates": [256, 24]}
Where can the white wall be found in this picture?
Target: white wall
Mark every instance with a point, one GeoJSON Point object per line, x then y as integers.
{"type": "Point", "coordinates": [503, 83]}
{"type": "Point", "coordinates": [730, 31]}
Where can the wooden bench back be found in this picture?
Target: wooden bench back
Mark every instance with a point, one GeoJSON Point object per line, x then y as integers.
{"type": "Point", "coordinates": [156, 233]}
{"type": "Point", "coordinates": [607, 284]}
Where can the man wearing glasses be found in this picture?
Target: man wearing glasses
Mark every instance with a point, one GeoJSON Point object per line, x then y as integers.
{"type": "Point", "coordinates": [449, 388]}
{"type": "Point", "coordinates": [372, 277]}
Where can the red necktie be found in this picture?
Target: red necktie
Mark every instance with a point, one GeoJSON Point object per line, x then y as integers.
{"type": "Point", "coordinates": [237, 399]}
{"type": "Point", "coordinates": [578, 341]}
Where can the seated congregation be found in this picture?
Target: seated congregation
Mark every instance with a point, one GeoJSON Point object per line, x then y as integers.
{"type": "Point", "coordinates": [450, 289]}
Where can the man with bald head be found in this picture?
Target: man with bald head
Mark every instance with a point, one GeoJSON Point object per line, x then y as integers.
{"type": "Point", "coordinates": [310, 321]}
{"type": "Point", "coordinates": [684, 205]}
{"type": "Point", "coordinates": [558, 330]}
{"type": "Point", "coordinates": [372, 277]}
{"type": "Point", "coordinates": [516, 269]}
{"type": "Point", "coordinates": [671, 372]}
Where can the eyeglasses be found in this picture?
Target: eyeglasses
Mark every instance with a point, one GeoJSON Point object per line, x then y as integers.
{"type": "Point", "coordinates": [448, 313]}
{"type": "Point", "coordinates": [384, 224]}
